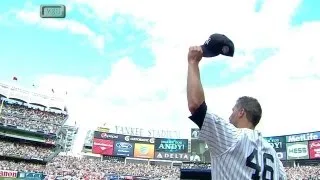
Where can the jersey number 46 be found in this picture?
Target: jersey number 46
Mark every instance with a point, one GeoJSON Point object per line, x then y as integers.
{"type": "Point", "coordinates": [255, 165]}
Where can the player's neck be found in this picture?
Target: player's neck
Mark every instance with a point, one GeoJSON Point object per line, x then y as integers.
{"type": "Point", "coordinates": [245, 124]}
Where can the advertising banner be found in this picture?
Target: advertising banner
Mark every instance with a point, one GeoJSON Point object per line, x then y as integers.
{"type": "Point", "coordinates": [314, 149]}
{"type": "Point", "coordinates": [277, 142]}
{"type": "Point", "coordinates": [8, 174]}
{"type": "Point", "coordinates": [30, 175]}
{"type": "Point", "coordinates": [123, 149]}
{"type": "Point", "coordinates": [110, 136]}
{"type": "Point", "coordinates": [138, 139]}
{"type": "Point", "coordinates": [282, 155]}
{"type": "Point", "coordinates": [195, 133]}
{"type": "Point", "coordinates": [102, 146]}
{"type": "Point", "coordinates": [303, 137]}
{"type": "Point", "coordinates": [297, 150]}
{"type": "Point", "coordinates": [171, 145]}
{"type": "Point", "coordinates": [123, 138]}
{"type": "Point", "coordinates": [143, 150]}
{"type": "Point", "coordinates": [172, 156]}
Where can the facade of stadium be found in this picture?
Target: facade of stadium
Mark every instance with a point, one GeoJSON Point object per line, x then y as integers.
{"type": "Point", "coordinates": [32, 121]}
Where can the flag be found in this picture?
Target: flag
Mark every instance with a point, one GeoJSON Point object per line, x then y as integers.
{"type": "Point", "coordinates": [15, 78]}
{"type": "Point", "coordinates": [52, 90]}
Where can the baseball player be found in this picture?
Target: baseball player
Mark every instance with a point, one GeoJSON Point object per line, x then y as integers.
{"type": "Point", "coordinates": [237, 150]}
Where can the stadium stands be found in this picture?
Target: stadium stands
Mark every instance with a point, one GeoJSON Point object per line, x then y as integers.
{"type": "Point", "coordinates": [75, 168]}
{"type": "Point", "coordinates": [30, 119]}
{"type": "Point", "coordinates": [28, 142]}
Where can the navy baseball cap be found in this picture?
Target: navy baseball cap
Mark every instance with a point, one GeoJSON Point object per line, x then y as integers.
{"type": "Point", "coordinates": [218, 44]}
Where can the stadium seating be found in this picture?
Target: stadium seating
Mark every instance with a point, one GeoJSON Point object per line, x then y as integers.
{"type": "Point", "coordinates": [31, 119]}
{"type": "Point", "coordinates": [67, 167]}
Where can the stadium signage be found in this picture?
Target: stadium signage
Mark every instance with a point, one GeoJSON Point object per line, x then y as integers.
{"type": "Point", "coordinates": [298, 150]}
{"type": "Point", "coordinates": [103, 135]}
{"type": "Point", "coordinates": [4, 173]}
{"type": "Point", "coordinates": [172, 145]}
{"type": "Point", "coordinates": [278, 143]}
{"type": "Point", "coordinates": [314, 149]}
{"type": "Point", "coordinates": [303, 137]}
{"type": "Point", "coordinates": [139, 139]}
{"type": "Point", "coordinates": [132, 131]}
{"type": "Point", "coordinates": [123, 149]}
{"type": "Point", "coordinates": [102, 146]}
{"type": "Point", "coordinates": [173, 156]}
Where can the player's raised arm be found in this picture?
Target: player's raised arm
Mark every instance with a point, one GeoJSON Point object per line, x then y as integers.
{"type": "Point", "coordinates": [218, 134]}
{"type": "Point", "coordinates": [195, 92]}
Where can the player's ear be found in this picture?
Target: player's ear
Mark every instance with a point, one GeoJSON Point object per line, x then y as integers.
{"type": "Point", "coordinates": [242, 112]}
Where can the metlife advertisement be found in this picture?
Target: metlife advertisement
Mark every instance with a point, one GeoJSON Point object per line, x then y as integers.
{"type": "Point", "coordinates": [171, 145]}
{"type": "Point", "coordinates": [303, 137]}
{"type": "Point", "coordinates": [123, 149]}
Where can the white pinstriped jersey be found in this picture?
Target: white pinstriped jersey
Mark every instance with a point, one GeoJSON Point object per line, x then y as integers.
{"type": "Point", "coordinates": [239, 153]}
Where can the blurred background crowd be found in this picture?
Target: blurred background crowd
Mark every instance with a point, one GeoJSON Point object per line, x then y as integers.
{"type": "Point", "coordinates": [86, 168]}
{"type": "Point", "coordinates": [16, 151]}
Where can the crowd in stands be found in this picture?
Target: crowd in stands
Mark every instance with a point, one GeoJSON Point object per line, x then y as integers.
{"type": "Point", "coordinates": [85, 168]}
{"type": "Point", "coordinates": [26, 151]}
{"type": "Point", "coordinates": [29, 118]}
{"type": "Point", "coordinates": [303, 172]}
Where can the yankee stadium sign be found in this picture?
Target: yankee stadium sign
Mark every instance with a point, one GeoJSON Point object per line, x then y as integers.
{"type": "Point", "coordinates": [303, 137]}
{"type": "Point", "coordinates": [132, 131]}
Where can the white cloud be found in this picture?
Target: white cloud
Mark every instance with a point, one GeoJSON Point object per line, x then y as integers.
{"type": "Point", "coordinates": [129, 95]}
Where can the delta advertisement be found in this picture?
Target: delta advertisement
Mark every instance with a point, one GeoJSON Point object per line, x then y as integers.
{"type": "Point", "coordinates": [143, 150]}
{"type": "Point", "coordinates": [172, 156]}
{"type": "Point", "coordinates": [297, 150]}
{"type": "Point", "coordinates": [123, 149]}
{"type": "Point", "coordinates": [314, 149]}
{"type": "Point", "coordinates": [171, 145]}
{"type": "Point", "coordinates": [102, 146]}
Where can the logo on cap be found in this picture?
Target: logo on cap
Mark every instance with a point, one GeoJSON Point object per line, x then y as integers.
{"type": "Point", "coordinates": [225, 49]}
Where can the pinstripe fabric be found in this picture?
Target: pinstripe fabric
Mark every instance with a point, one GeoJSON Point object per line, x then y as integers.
{"type": "Point", "coordinates": [230, 148]}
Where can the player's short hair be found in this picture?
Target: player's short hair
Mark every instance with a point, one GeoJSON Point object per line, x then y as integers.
{"type": "Point", "coordinates": [252, 108]}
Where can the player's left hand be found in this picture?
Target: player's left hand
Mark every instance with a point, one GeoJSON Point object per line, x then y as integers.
{"type": "Point", "coordinates": [195, 54]}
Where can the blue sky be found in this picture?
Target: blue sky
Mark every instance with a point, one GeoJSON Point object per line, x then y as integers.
{"type": "Point", "coordinates": [114, 56]}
